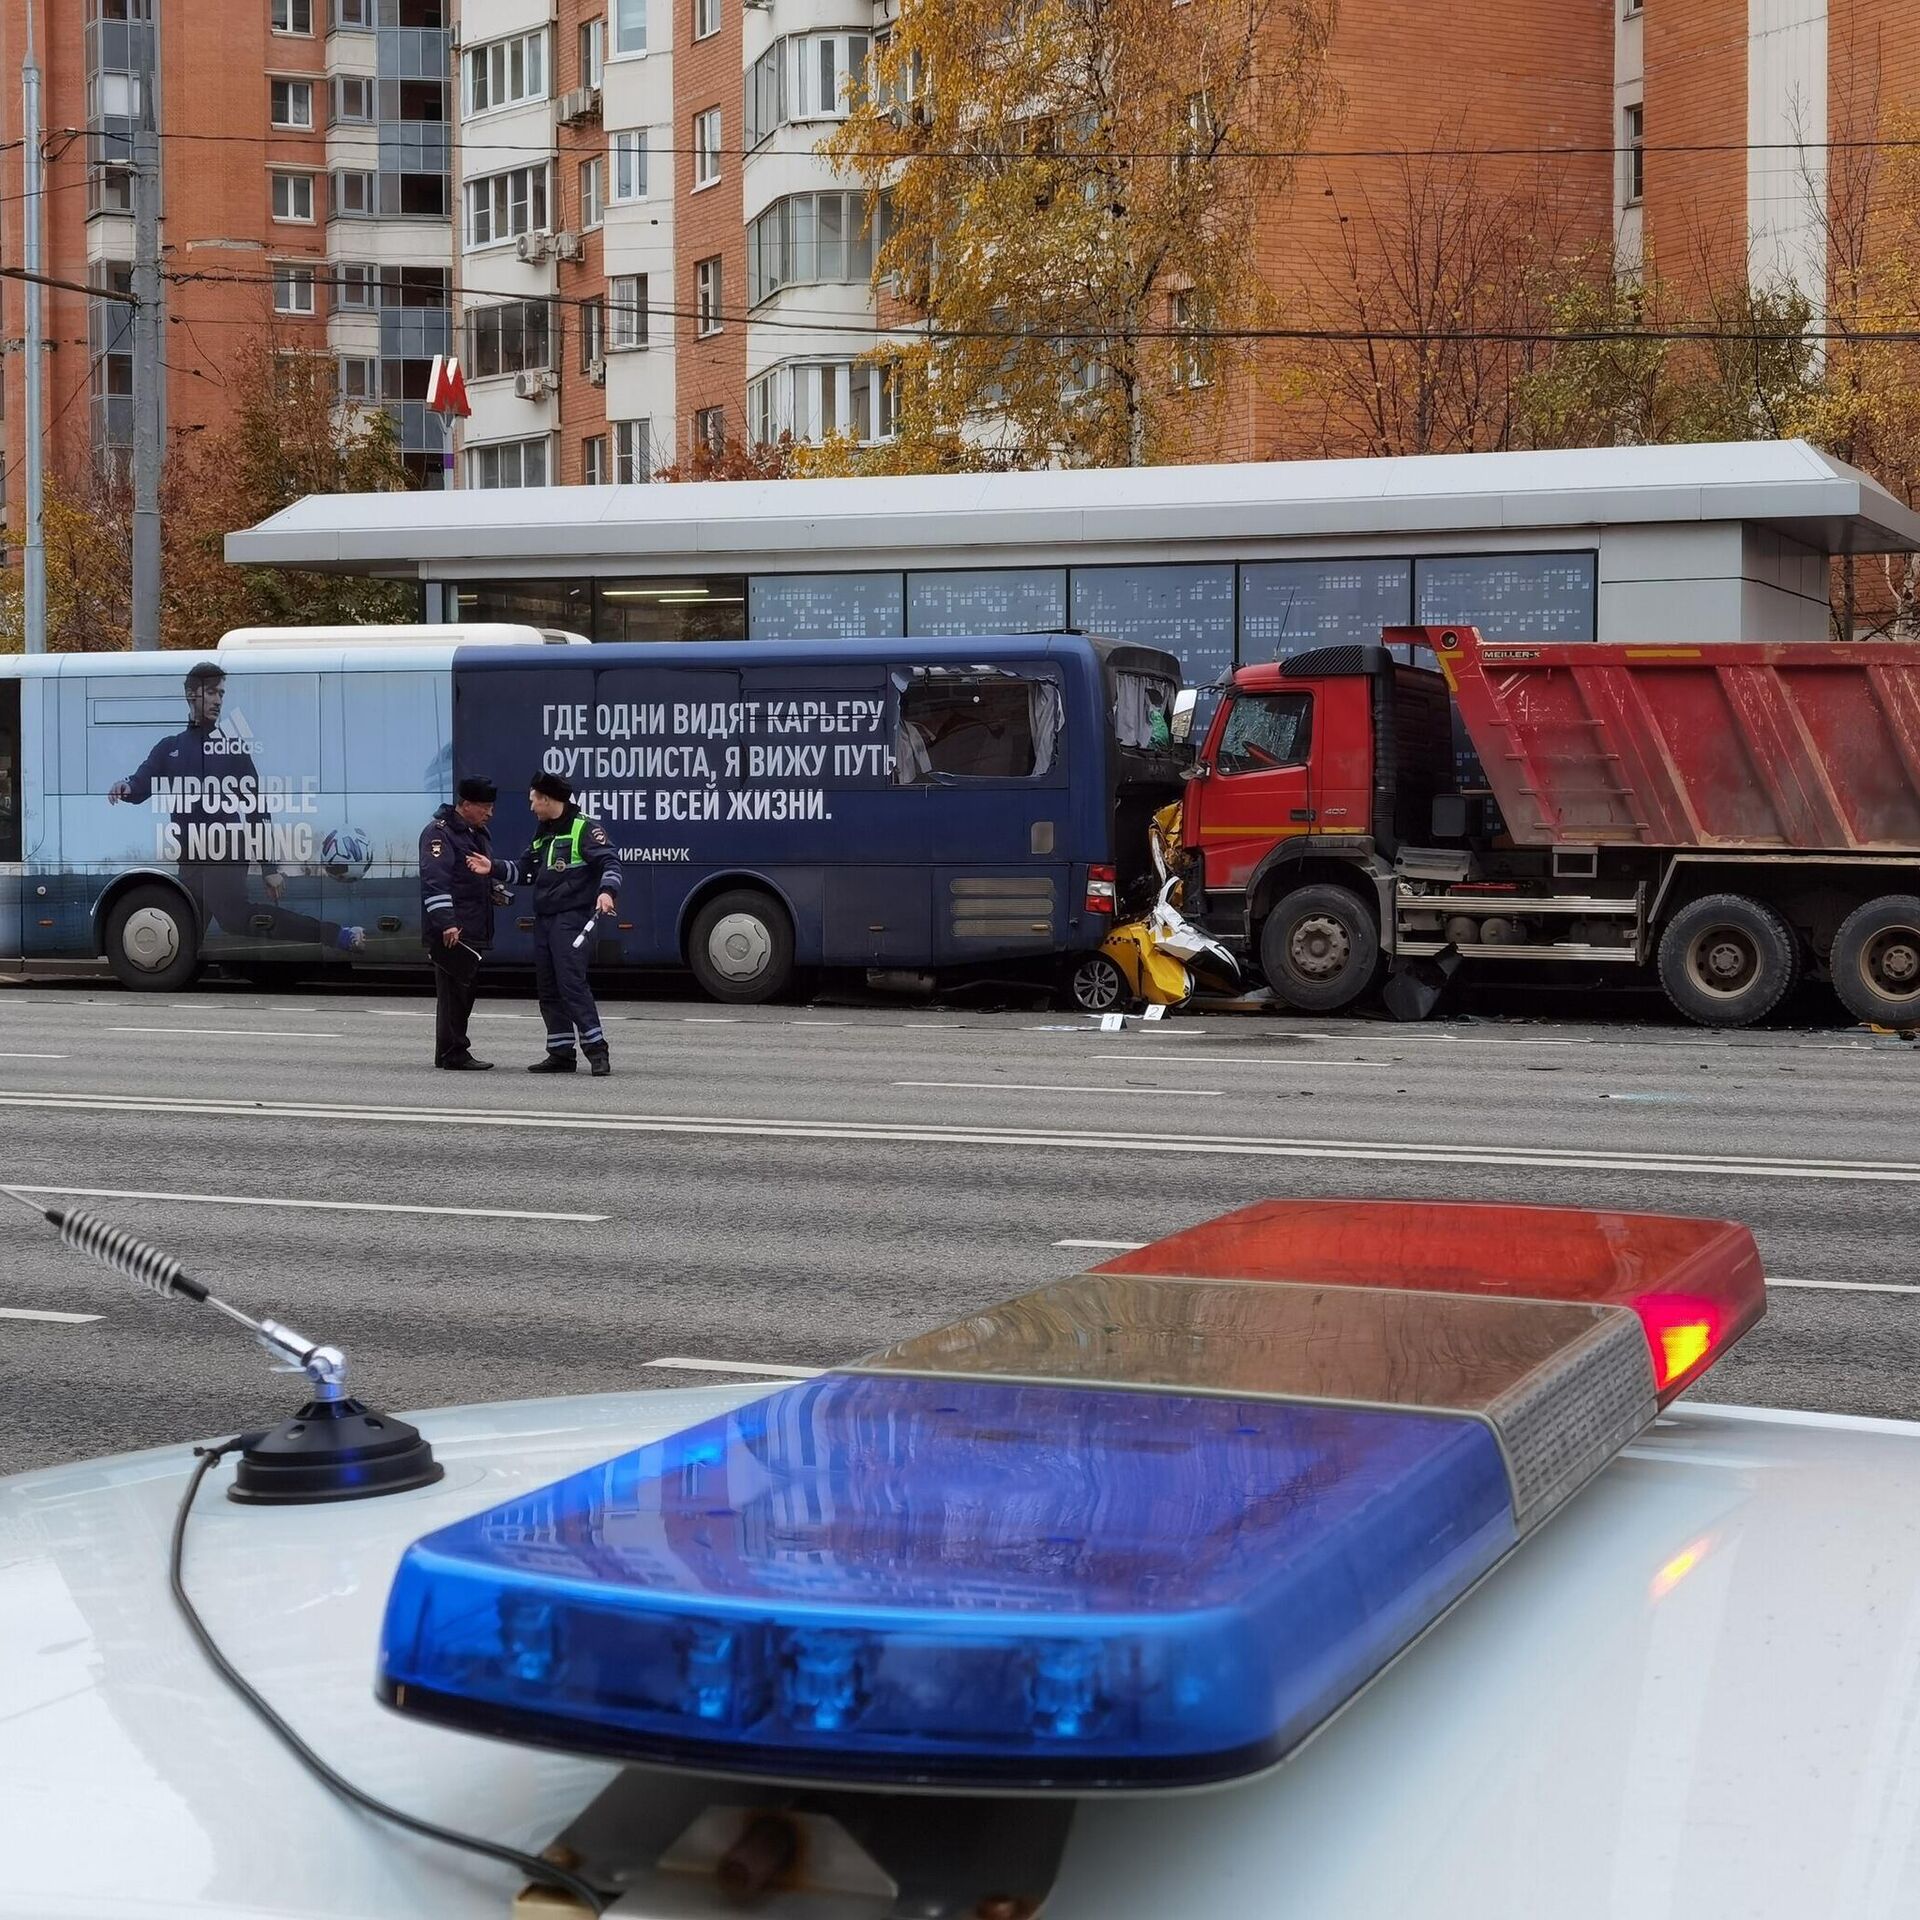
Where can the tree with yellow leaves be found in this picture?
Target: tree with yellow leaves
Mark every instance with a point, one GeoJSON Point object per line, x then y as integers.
{"type": "Point", "coordinates": [1073, 191]}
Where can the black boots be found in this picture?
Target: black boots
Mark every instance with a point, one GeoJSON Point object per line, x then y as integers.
{"type": "Point", "coordinates": [554, 1063]}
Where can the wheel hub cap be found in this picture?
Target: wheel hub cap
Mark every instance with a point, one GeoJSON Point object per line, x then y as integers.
{"type": "Point", "coordinates": [1724, 961]}
{"type": "Point", "coordinates": [151, 939]}
{"type": "Point", "coordinates": [1319, 947]}
{"type": "Point", "coordinates": [1892, 962]}
{"type": "Point", "coordinates": [739, 946]}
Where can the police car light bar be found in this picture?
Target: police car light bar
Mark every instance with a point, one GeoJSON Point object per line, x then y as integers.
{"type": "Point", "coordinates": [1138, 1528]}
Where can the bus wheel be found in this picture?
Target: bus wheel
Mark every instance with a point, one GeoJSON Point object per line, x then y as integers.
{"type": "Point", "coordinates": [1095, 984]}
{"type": "Point", "coordinates": [741, 947]}
{"type": "Point", "coordinates": [1727, 961]}
{"type": "Point", "coordinates": [1876, 961]}
{"type": "Point", "coordinates": [152, 944]}
{"type": "Point", "coordinates": [1319, 949]}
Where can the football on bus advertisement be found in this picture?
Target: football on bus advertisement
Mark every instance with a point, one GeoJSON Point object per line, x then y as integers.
{"type": "Point", "coordinates": [287, 805]}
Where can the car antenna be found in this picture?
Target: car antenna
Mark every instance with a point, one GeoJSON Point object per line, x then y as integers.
{"type": "Point", "coordinates": [333, 1448]}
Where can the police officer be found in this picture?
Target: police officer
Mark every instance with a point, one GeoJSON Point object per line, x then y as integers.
{"type": "Point", "coordinates": [456, 916]}
{"type": "Point", "coordinates": [575, 876]}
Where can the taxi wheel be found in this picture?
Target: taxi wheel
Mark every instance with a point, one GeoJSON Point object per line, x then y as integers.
{"type": "Point", "coordinates": [1096, 985]}
{"type": "Point", "coordinates": [741, 947]}
{"type": "Point", "coordinates": [153, 945]}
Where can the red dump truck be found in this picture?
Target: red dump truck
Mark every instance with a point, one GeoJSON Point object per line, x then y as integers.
{"type": "Point", "coordinates": [1735, 817]}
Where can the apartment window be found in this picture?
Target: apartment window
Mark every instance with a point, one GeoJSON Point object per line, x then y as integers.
{"type": "Point", "coordinates": [356, 196]}
{"type": "Point", "coordinates": [353, 99]}
{"type": "Point", "coordinates": [512, 337]}
{"type": "Point", "coordinates": [359, 380]}
{"type": "Point", "coordinates": [626, 312]}
{"type": "Point", "coordinates": [1630, 7]}
{"type": "Point", "coordinates": [810, 76]}
{"type": "Point", "coordinates": [291, 16]}
{"type": "Point", "coordinates": [1188, 358]}
{"type": "Point", "coordinates": [508, 463]}
{"type": "Point", "coordinates": [706, 147]}
{"type": "Point", "coordinates": [1633, 139]}
{"type": "Point", "coordinates": [591, 203]}
{"type": "Point", "coordinates": [293, 196]}
{"type": "Point", "coordinates": [708, 313]}
{"type": "Point", "coordinates": [593, 461]}
{"type": "Point", "coordinates": [629, 26]}
{"type": "Point", "coordinates": [292, 289]}
{"type": "Point", "coordinates": [356, 284]}
{"type": "Point", "coordinates": [353, 16]}
{"type": "Point", "coordinates": [710, 429]}
{"type": "Point", "coordinates": [592, 333]}
{"type": "Point", "coordinates": [292, 104]}
{"type": "Point", "coordinates": [628, 150]}
{"type": "Point", "coordinates": [819, 400]}
{"type": "Point", "coordinates": [812, 237]}
{"type": "Point", "coordinates": [507, 72]}
{"type": "Point", "coordinates": [593, 52]}
{"type": "Point", "coordinates": [503, 205]}
{"type": "Point", "coordinates": [706, 18]}
{"type": "Point", "coordinates": [632, 452]}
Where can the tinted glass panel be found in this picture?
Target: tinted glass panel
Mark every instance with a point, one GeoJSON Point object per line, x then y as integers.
{"type": "Point", "coordinates": [1287, 606]}
{"type": "Point", "coordinates": [710, 607]}
{"type": "Point", "coordinates": [11, 798]}
{"type": "Point", "coordinates": [1510, 596]}
{"type": "Point", "coordinates": [1186, 610]}
{"type": "Point", "coordinates": [1002, 600]}
{"type": "Point", "coordinates": [824, 606]}
{"type": "Point", "coordinates": [970, 729]}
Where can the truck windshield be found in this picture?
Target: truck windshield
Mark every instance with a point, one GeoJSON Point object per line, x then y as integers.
{"type": "Point", "coordinates": [1265, 730]}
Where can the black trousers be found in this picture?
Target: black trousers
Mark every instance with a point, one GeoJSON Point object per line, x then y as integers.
{"type": "Point", "coordinates": [560, 980]}
{"type": "Point", "coordinates": [456, 978]}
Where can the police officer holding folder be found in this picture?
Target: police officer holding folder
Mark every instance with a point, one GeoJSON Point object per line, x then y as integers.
{"type": "Point", "coordinates": [456, 916]}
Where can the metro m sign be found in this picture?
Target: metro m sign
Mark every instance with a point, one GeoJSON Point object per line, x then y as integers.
{"type": "Point", "coordinates": [447, 387]}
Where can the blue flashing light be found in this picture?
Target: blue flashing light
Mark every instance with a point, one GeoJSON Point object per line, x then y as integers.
{"type": "Point", "coordinates": [897, 1580]}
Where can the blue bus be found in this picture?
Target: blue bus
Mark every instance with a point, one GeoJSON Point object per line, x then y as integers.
{"type": "Point", "coordinates": [899, 807]}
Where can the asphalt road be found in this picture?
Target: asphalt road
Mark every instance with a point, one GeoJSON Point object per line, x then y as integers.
{"type": "Point", "coordinates": [791, 1186]}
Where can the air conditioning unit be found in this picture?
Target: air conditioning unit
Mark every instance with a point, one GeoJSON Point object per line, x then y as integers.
{"type": "Point", "coordinates": [533, 246]}
{"type": "Point", "coordinates": [535, 383]}
{"type": "Point", "coordinates": [568, 246]}
{"type": "Point", "coordinates": [579, 103]}
{"type": "Point", "coordinates": [596, 373]}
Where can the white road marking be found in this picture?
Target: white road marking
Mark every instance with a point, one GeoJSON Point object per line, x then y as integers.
{"type": "Point", "coordinates": [239, 1033]}
{"type": "Point", "coordinates": [1232, 1146]}
{"type": "Point", "coordinates": [1280, 1063]}
{"type": "Point", "coordinates": [34, 1056]}
{"type": "Point", "coordinates": [933, 1026]}
{"type": "Point", "coordinates": [709, 1020]}
{"type": "Point", "coordinates": [738, 1366]}
{"type": "Point", "coordinates": [1023, 1086]}
{"type": "Point", "coordinates": [39, 1313]}
{"type": "Point", "coordinates": [317, 1206]}
{"type": "Point", "coordinates": [1105, 1246]}
{"type": "Point", "coordinates": [1844, 1286]}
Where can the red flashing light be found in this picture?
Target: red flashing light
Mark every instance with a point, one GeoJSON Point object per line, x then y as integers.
{"type": "Point", "coordinates": [1102, 890]}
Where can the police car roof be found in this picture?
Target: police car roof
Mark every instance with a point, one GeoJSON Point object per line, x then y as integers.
{"type": "Point", "coordinates": [1693, 1694]}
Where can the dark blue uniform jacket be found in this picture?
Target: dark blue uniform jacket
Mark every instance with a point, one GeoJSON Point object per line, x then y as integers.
{"type": "Point", "coordinates": [451, 893]}
{"type": "Point", "coordinates": [570, 864]}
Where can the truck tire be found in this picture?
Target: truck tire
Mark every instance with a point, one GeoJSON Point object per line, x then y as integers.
{"type": "Point", "coordinates": [153, 942]}
{"type": "Point", "coordinates": [1876, 961]}
{"type": "Point", "coordinates": [1319, 949]}
{"type": "Point", "coordinates": [741, 947]}
{"type": "Point", "coordinates": [1727, 961]}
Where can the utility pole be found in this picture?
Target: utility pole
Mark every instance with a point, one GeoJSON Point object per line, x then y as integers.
{"type": "Point", "coordinates": [149, 437]}
{"type": "Point", "coordinates": [30, 164]}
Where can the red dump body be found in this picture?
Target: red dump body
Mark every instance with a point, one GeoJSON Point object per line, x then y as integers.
{"type": "Point", "coordinates": [1808, 747]}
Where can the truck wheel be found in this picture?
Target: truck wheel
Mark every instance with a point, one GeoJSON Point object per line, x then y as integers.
{"type": "Point", "coordinates": [1876, 961]}
{"type": "Point", "coordinates": [741, 947]}
{"type": "Point", "coordinates": [153, 944]}
{"type": "Point", "coordinates": [1727, 961]}
{"type": "Point", "coordinates": [1319, 949]}
{"type": "Point", "coordinates": [1096, 985]}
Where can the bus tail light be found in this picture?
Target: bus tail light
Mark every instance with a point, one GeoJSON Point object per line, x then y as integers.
{"type": "Point", "coordinates": [1101, 890]}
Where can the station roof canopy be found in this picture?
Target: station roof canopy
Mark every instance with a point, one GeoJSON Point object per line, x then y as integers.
{"type": "Point", "coordinates": [1787, 486]}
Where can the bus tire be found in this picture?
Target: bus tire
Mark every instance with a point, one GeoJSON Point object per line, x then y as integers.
{"type": "Point", "coordinates": [1727, 961]}
{"type": "Point", "coordinates": [1319, 948]}
{"type": "Point", "coordinates": [153, 945]}
{"type": "Point", "coordinates": [741, 947]}
{"type": "Point", "coordinates": [1876, 961]}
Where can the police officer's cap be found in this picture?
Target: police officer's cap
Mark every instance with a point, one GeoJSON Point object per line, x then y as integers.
{"type": "Point", "coordinates": [553, 787]}
{"type": "Point", "coordinates": [479, 791]}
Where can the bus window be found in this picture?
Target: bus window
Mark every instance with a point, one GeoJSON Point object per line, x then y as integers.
{"type": "Point", "coordinates": [11, 795]}
{"type": "Point", "coordinates": [970, 723]}
{"type": "Point", "coordinates": [1143, 710]}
